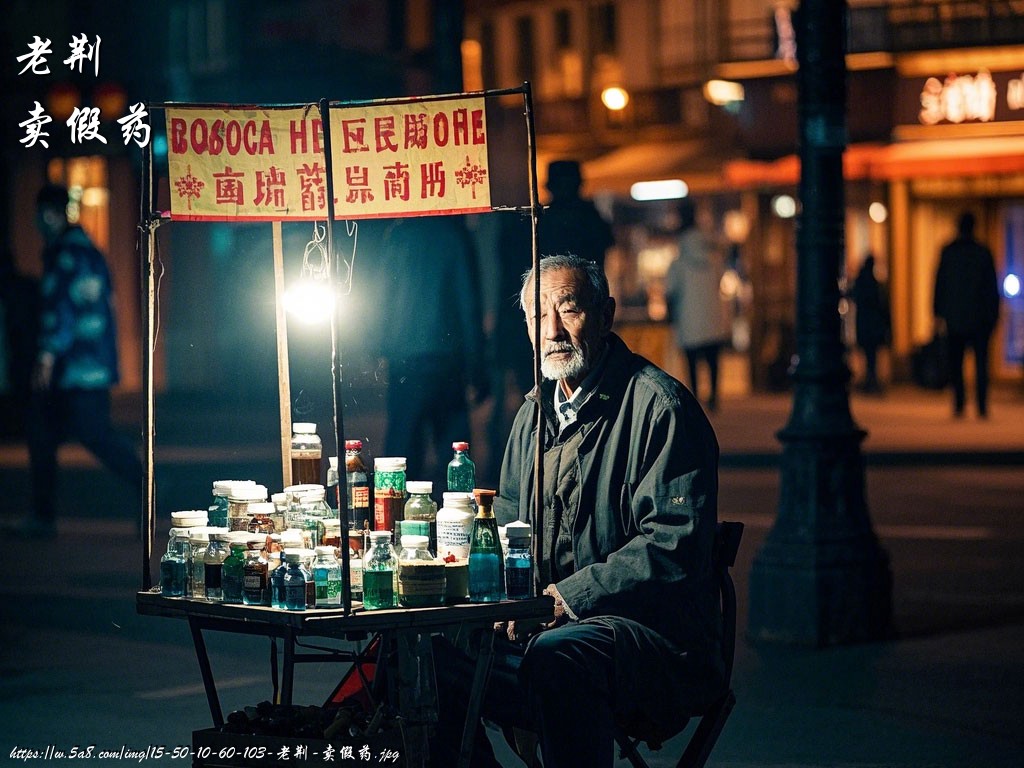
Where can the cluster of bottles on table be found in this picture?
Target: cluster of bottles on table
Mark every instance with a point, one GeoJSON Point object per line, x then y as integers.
{"type": "Point", "coordinates": [284, 552]}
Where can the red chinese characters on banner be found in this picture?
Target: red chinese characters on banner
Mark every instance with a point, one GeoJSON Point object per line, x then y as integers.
{"type": "Point", "coordinates": [412, 158]}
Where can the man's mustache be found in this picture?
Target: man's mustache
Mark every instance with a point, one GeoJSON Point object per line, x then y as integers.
{"type": "Point", "coordinates": [559, 346]}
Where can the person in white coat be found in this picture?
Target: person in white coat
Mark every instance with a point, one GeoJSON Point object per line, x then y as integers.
{"type": "Point", "coordinates": [699, 316]}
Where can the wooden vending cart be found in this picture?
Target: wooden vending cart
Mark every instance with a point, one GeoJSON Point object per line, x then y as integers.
{"type": "Point", "coordinates": [328, 161]}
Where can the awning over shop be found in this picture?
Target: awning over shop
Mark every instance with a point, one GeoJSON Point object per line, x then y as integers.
{"type": "Point", "coordinates": [988, 156]}
{"type": "Point", "coordinates": [694, 161]}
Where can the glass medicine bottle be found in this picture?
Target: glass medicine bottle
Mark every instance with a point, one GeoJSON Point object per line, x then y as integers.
{"type": "Point", "coordinates": [255, 578]}
{"type": "Point", "coordinates": [388, 492]}
{"type": "Point", "coordinates": [327, 578]}
{"type": "Point", "coordinates": [461, 469]}
{"type": "Point", "coordinates": [306, 453]}
{"type": "Point", "coordinates": [232, 570]}
{"type": "Point", "coordinates": [213, 562]}
{"type": "Point", "coordinates": [518, 562]}
{"type": "Point", "coordinates": [174, 564]}
{"type": "Point", "coordinates": [486, 571]}
{"type": "Point", "coordinates": [218, 511]}
{"type": "Point", "coordinates": [294, 581]}
{"type": "Point", "coordinates": [423, 508]}
{"type": "Point", "coordinates": [380, 572]}
{"type": "Point", "coordinates": [420, 574]}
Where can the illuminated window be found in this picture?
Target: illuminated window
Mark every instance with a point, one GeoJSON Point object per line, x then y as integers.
{"type": "Point", "coordinates": [88, 188]}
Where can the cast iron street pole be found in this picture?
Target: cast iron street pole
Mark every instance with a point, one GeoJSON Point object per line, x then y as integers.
{"type": "Point", "coordinates": [821, 577]}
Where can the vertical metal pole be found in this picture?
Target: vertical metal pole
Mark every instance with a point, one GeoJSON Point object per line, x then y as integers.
{"type": "Point", "coordinates": [821, 577]}
{"type": "Point", "coordinates": [538, 462]}
{"type": "Point", "coordinates": [339, 407]}
{"type": "Point", "coordinates": [147, 243]}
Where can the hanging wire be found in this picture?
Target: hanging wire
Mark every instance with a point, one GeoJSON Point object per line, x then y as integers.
{"type": "Point", "coordinates": [316, 260]}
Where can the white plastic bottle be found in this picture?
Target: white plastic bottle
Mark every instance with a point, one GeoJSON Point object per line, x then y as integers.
{"type": "Point", "coordinates": [455, 525]}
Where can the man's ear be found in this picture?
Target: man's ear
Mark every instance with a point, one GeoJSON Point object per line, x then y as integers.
{"type": "Point", "coordinates": [607, 316]}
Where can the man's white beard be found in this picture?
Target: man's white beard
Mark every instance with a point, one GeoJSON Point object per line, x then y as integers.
{"type": "Point", "coordinates": [572, 367]}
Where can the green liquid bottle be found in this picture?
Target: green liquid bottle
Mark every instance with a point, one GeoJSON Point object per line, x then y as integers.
{"type": "Point", "coordinates": [461, 469]}
{"type": "Point", "coordinates": [380, 573]}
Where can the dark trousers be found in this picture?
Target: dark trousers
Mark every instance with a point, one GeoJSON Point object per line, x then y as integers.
{"type": "Point", "coordinates": [957, 344]}
{"type": "Point", "coordinates": [709, 354]}
{"type": "Point", "coordinates": [571, 685]}
{"type": "Point", "coordinates": [427, 412]}
{"type": "Point", "coordinates": [59, 415]}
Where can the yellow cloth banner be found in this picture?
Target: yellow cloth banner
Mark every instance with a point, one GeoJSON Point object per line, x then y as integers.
{"type": "Point", "coordinates": [421, 157]}
{"type": "Point", "coordinates": [264, 164]}
{"type": "Point", "coordinates": [255, 164]}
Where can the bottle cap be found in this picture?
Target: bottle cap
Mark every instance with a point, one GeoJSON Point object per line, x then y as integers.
{"type": "Point", "coordinates": [293, 555]}
{"type": "Point", "coordinates": [380, 535]}
{"type": "Point", "coordinates": [291, 537]}
{"type": "Point", "coordinates": [419, 486]}
{"type": "Point", "coordinates": [262, 508]}
{"type": "Point", "coordinates": [202, 533]}
{"type": "Point", "coordinates": [248, 493]}
{"type": "Point", "coordinates": [460, 446]}
{"type": "Point", "coordinates": [518, 531]}
{"type": "Point", "coordinates": [457, 498]}
{"type": "Point", "coordinates": [304, 428]}
{"type": "Point", "coordinates": [389, 463]}
{"type": "Point", "coordinates": [190, 518]}
{"type": "Point", "coordinates": [179, 531]}
{"type": "Point", "coordinates": [353, 445]}
{"type": "Point", "coordinates": [220, 535]}
{"type": "Point", "coordinates": [483, 495]}
{"type": "Point", "coordinates": [279, 498]}
{"type": "Point", "coordinates": [413, 541]}
{"type": "Point", "coordinates": [325, 550]}
{"type": "Point", "coordinates": [223, 487]}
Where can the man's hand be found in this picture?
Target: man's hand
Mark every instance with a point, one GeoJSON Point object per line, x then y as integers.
{"type": "Point", "coordinates": [42, 374]}
{"type": "Point", "coordinates": [521, 631]}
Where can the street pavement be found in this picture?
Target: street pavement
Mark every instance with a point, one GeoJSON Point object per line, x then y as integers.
{"type": "Point", "coordinates": [79, 666]}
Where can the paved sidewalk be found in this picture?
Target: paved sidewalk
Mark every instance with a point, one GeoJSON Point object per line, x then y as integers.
{"type": "Point", "coordinates": [946, 498]}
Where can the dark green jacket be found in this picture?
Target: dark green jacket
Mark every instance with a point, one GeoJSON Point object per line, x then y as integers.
{"type": "Point", "coordinates": [646, 515]}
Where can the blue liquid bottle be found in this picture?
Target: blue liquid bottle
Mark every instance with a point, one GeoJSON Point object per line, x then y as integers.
{"type": "Point", "coordinates": [518, 562]}
{"type": "Point", "coordinates": [174, 564]}
{"type": "Point", "coordinates": [486, 570]}
{"type": "Point", "coordinates": [294, 581]}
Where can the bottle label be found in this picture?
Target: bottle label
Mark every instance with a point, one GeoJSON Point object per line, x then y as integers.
{"type": "Point", "coordinates": [359, 497]}
{"type": "Point", "coordinates": [453, 537]}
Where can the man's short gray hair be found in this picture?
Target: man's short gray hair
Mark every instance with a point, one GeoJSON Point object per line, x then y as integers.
{"type": "Point", "coordinates": [595, 281]}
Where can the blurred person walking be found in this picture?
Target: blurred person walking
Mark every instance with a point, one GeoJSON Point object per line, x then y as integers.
{"type": "Point", "coordinates": [432, 340]}
{"type": "Point", "coordinates": [872, 321]}
{"type": "Point", "coordinates": [76, 363]}
{"type": "Point", "coordinates": [966, 308]}
{"type": "Point", "coordinates": [699, 316]}
{"type": "Point", "coordinates": [19, 318]}
{"type": "Point", "coordinates": [571, 223]}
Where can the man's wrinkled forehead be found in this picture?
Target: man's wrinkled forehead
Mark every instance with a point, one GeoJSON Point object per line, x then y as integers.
{"type": "Point", "coordinates": [558, 286]}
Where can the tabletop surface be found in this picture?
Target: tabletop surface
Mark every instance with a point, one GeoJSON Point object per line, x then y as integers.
{"type": "Point", "coordinates": [333, 620]}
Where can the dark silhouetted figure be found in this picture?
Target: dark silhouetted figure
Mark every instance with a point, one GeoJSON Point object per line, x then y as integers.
{"type": "Point", "coordinates": [700, 318]}
{"type": "Point", "coordinates": [19, 305]}
{"type": "Point", "coordinates": [571, 223]}
{"type": "Point", "coordinates": [872, 321]}
{"type": "Point", "coordinates": [967, 304]}
{"type": "Point", "coordinates": [432, 338]}
{"type": "Point", "coordinates": [76, 363]}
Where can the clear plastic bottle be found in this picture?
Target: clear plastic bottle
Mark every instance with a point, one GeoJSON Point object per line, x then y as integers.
{"type": "Point", "coordinates": [420, 574]}
{"type": "Point", "coordinates": [486, 571]}
{"type": "Point", "coordinates": [327, 578]}
{"type": "Point", "coordinates": [218, 511]}
{"type": "Point", "coordinates": [454, 525]}
{"type": "Point", "coordinates": [388, 492]}
{"type": "Point", "coordinates": [461, 469]}
{"type": "Point", "coordinates": [306, 453]}
{"type": "Point", "coordinates": [518, 562]}
{"type": "Point", "coordinates": [422, 508]}
{"type": "Point", "coordinates": [240, 497]}
{"type": "Point", "coordinates": [213, 561]}
{"type": "Point", "coordinates": [174, 564]}
{"type": "Point", "coordinates": [294, 581]}
{"type": "Point", "coordinates": [380, 572]}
